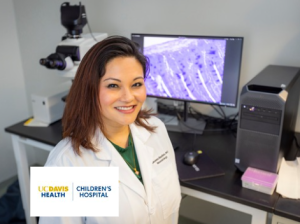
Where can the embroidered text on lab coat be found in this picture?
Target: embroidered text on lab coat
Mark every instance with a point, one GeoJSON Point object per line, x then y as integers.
{"type": "Point", "coordinates": [161, 158]}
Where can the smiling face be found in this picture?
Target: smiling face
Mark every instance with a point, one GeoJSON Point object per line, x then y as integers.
{"type": "Point", "coordinates": [122, 92]}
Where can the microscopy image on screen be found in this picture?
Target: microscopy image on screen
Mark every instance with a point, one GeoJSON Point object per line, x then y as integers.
{"type": "Point", "coordinates": [185, 68]}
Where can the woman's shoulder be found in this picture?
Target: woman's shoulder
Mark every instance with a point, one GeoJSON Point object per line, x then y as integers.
{"type": "Point", "coordinates": [154, 121]}
{"type": "Point", "coordinates": [62, 154]}
{"type": "Point", "coordinates": [160, 127]}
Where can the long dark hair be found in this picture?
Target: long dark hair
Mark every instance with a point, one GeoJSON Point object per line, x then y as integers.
{"type": "Point", "coordinates": [82, 115]}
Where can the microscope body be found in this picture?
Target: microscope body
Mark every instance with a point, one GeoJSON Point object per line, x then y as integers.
{"type": "Point", "coordinates": [48, 105]}
{"type": "Point", "coordinates": [74, 50]}
{"type": "Point", "coordinates": [74, 45]}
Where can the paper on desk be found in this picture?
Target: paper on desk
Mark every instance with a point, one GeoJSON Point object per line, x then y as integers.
{"type": "Point", "coordinates": [289, 179]}
{"type": "Point", "coordinates": [35, 123]}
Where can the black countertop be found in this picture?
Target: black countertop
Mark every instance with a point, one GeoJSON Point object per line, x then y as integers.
{"type": "Point", "coordinates": [288, 208]}
{"type": "Point", "coordinates": [219, 146]}
{"type": "Point", "coordinates": [49, 135]}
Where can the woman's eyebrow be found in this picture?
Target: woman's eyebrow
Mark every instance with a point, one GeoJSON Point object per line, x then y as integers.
{"type": "Point", "coordinates": [112, 79]}
{"type": "Point", "coordinates": [140, 77]}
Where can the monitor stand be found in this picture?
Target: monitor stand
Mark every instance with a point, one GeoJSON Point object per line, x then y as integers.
{"type": "Point", "coordinates": [187, 125]}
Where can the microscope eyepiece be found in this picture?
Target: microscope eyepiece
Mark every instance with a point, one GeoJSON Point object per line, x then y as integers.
{"type": "Point", "coordinates": [54, 61]}
{"type": "Point", "coordinates": [43, 61]}
{"type": "Point", "coordinates": [58, 64]}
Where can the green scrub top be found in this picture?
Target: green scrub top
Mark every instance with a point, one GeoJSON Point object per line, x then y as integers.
{"type": "Point", "coordinates": [130, 157]}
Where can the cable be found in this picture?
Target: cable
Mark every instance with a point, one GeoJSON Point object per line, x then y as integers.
{"type": "Point", "coordinates": [194, 114]}
{"type": "Point", "coordinates": [235, 115]}
{"type": "Point", "coordinates": [166, 106]}
{"type": "Point", "coordinates": [222, 115]}
{"type": "Point", "coordinates": [229, 122]}
{"type": "Point", "coordinates": [206, 116]}
{"type": "Point", "coordinates": [233, 119]}
{"type": "Point", "coordinates": [222, 111]}
{"type": "Point", "coordinates": [213, 124]}
{"type": "Point", "coordinates": [192, 128]}
{"type": "Point", "coordinates": [91, 30]}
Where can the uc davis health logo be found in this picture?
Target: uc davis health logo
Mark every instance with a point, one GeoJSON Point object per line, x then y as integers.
{"type": "Point", "coordinates": [74, 191]}
{"type": "Point", "coordinates": [53, 191]}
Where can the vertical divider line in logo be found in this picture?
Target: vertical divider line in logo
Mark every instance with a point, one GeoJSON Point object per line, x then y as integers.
{"type": "Point", "coordinates": [72, 191]}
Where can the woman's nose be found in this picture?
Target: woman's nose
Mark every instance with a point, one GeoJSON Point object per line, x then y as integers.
{"type": "Point", "coordinates": [127, 95]}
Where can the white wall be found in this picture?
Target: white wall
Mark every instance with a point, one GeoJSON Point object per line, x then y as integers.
{"type": "Point", "coordinates": [270, 28]}
{"type": "Point", "coordinates": [39, 30]}
{"type": "Point", "coordinates": [13, 104]}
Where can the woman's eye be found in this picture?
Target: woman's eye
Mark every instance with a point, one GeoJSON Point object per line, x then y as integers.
{"type": "Point", "coordinates": [138, 84]}
{"type": "Point", "coordinates": [112, 86]}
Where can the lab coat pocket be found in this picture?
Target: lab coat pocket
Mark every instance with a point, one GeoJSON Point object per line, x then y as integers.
{"type": "Point", "coordinates": [166, 186]}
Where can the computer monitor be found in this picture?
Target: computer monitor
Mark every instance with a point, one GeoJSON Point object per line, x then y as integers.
{"type": "Point", "coordinates": [202, 69]}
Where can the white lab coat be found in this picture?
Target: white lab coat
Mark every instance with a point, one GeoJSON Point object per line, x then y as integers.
{"type": "Point", "coordinates": [155, 202]}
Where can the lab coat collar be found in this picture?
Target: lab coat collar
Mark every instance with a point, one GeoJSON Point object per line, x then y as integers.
{"type": "Point", "coordinates": [139, 132]}
{"type": "Point", "coordinates": [101, 142]}
{"type": "Point", "coordinates": [144, 154]}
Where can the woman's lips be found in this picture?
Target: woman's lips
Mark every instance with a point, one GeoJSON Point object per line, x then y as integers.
{"type": "Point", "coordinates": [126, 109]}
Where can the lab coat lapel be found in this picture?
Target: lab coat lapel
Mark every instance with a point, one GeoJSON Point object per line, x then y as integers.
{"type": "Point", "coordinates": [126, 176]}
{"type": "Point", "coordinates": [145, 155]}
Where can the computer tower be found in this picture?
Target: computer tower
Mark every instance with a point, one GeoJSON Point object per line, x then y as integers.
{"type": "Point", "coordinates": [267, 118]}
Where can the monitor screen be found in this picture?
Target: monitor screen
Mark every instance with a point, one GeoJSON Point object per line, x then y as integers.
{"type": "Point", "coordinates": [192, 68]}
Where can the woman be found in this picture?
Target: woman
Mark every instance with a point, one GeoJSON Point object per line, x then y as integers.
{"type": "Point", "coordinates": [104, 125]}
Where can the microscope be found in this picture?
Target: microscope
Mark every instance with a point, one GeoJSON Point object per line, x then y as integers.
{"type": "Point", "coordinates": [48, 104]}
{"type": "Point", "coordinates": [74, 44]}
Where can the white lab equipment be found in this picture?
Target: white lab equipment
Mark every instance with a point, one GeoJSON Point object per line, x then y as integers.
{"type": "Point", "coordinates": [47, 104]}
